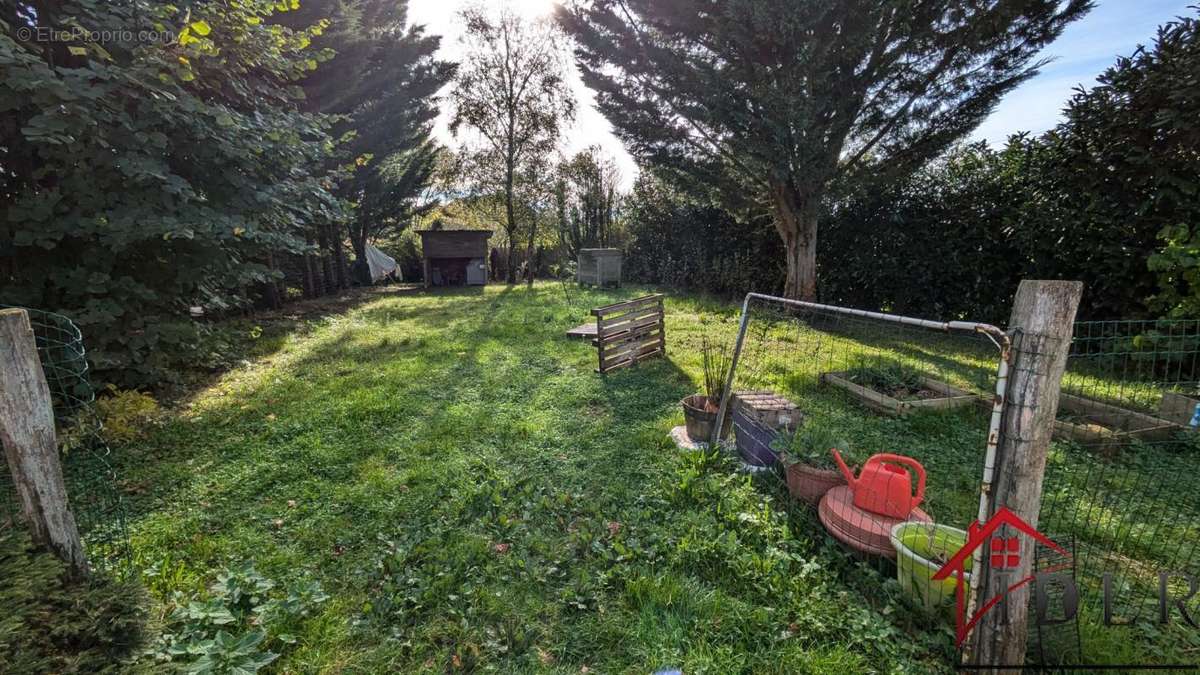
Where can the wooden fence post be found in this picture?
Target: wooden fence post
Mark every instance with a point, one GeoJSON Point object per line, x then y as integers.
{"type": "Point", "coordinates": [31, 445]}
{"type": "Point", "coordinates": [1042, 318]}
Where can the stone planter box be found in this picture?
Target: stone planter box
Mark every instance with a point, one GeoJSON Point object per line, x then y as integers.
{"type": "Point", "coordinates": [1104, 424]}
{"type": "Point", "coordinates": [951, 396]}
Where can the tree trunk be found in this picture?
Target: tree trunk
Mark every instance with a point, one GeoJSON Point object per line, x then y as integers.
{"type": "Point", "coordinates": [1044, 313]}
{"type": "Point", "coordinates": [325, 260]}
{"type": "Point", "coordinates": [529, 250]}
{"type": "Point", "coordinates": [796, 222]}
{"type": "Point", "coordinates": [510, 213]}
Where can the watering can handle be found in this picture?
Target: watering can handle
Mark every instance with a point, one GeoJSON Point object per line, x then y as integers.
{"type": "Point", "coordinates": [911, 463]}
{"type": "Point", "coordinates": [837, 457]}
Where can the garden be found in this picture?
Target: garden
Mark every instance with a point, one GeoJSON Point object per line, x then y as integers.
{"type": "Point", "coordinates": [423, 482]}
{"type": "Point", "coordinates": [595, 337]}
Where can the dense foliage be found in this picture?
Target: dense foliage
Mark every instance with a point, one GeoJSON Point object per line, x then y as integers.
{"type": "Point", "coordinates": [770, 102]}
{"type": "Point", "coordinates": [381, 82]}
{"type": "Point", "coordinates": [153, 172]}
{"type": "Point", "coordinates": [678, 240]}
{"type": "Point", "coordinates": [1108, 197]}
{"type": "Point", "coordinates": [49, 625]}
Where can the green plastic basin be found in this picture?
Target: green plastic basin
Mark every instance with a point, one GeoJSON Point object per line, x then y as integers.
{"type": "Point", "coordinates": [921, 550]}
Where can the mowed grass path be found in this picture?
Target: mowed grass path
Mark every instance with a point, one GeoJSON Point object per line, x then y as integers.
{"type": "Point", "coordinates": [474, 496]}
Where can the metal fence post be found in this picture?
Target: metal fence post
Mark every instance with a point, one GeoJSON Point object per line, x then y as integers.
{"type": "Point", "coordinates": [1043, 313]}
{"type": "Point", "coordinates": [30, 442]}
{"type": "Point", "coordinates": [727, 391]}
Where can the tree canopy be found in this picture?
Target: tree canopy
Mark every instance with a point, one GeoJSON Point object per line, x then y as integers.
{"type": "Point", "coordinates": [770, 101]}
{"type": "Point", "coordinates": [512, 99]}
{"type": "Point", "coordinates": [380, 82]}
{"type": "Point", "coordinates": [143, 177]}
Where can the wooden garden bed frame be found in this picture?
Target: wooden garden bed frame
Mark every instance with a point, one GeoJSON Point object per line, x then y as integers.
{"type": "Point", "coordinates": [630, 332]}
{"type": "Point", "coordinates": [952, 397]}
{"type": "Point", "coordinates": [1107, 424]}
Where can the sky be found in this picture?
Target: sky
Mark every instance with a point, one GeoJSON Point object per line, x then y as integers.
{"type": "Point", "coordinates": [1086, 48]}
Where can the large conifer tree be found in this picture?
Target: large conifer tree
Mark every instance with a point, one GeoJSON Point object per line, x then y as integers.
{"type": "Point", "coordinates": [770, 101]}
{"type": "Point", "coordinates": [381, 78]}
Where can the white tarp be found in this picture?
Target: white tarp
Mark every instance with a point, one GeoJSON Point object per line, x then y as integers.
{"type": "Point", "coordinates": [381, 264]}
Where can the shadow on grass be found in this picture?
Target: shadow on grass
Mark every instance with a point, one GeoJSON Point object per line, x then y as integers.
{"type": "Point", "coordinates": [388, 419]}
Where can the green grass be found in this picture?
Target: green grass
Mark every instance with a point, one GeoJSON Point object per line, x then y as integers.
{"type": "Point", "coordinates": [474, 496]}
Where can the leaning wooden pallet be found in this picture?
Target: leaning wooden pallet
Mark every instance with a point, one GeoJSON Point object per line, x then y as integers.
{"type": "Point", "coordinates": [629, 332]}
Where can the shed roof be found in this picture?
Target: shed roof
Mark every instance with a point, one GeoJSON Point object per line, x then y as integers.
{"type": "Point", "coordinates": [454, 243]}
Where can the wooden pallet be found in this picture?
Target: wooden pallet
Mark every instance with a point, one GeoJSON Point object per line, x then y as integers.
{"type": "Point", "coordinates": [629, 332]}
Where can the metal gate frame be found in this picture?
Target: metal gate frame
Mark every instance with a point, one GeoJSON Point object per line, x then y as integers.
{"type": "Point", "coordinates": [1000, 338]}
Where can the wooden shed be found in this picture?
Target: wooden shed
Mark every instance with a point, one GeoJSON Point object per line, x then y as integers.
{"type": "Point", "coordinates": [599, 266]}
{"type": "Point", "coordinates": [455, 257]}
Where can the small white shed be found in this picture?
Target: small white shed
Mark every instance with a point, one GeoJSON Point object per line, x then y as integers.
{"type": "Point", "coordinates": [599, 266]}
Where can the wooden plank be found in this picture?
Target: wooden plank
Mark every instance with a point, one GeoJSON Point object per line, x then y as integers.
{"type": "Point", "coordinates": [628, 304]}
{"type": "Point", "coordinates": [632, 334]}
{"type": "Point", "coordinates": [650, 333]}
{"type": "Point", "coordinates": [31, 445]}
{"type": "Point", "coordinates": [873, 399]}
{"type": "Point", "coordinates": [629, 332]}
{"type": "Point", "coordinates": [889, 405]}
{"type": "Point", "coordinates": [629, 360]}
{"type": "Point", "coordinates": [586, 330]}
{"type": "Point", "coordinates": [630, 346]}
{"type": "Point", "coordinates": [632, 354]}
{"type": "Point", "coordinates": [625, 335]}
{"type": "Point", "coordinates": [631, 317]}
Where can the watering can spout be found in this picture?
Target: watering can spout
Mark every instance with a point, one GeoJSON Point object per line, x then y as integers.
{"type": "Point", "coordinates": [850, 479]}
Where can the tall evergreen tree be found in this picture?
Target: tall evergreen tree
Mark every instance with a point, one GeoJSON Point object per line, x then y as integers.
{"type": "Point", "coordinates": [771, 101]}
{"type": "Point", "coordinates": [381, 81]}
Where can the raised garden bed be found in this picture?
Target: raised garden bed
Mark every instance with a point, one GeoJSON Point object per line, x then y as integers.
{"type": "Point", "coordinates": [920, 393]}
{"type": "Point", "coordinates": [1091, 422]}
{"type": "Point", "coordinates": [1177, 408]}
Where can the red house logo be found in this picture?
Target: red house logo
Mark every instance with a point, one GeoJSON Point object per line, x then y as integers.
{"type": "Point", "coordinates": [1003, 555]}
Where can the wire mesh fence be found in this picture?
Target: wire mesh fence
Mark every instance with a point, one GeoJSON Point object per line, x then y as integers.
{"type": "Point", "coordinates": [1121, 482]}
{"type": "Point", "coordinates": [1119, 501]}
{"type": "Point", "coordinates": [89, 476]}
{"type": "Point", "coordinates": [875, 426]}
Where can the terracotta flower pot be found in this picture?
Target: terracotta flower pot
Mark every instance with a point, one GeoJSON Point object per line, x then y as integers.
{"type": "Point", "coordinates": [808, 483]}
{"type": "Point", "coordinates": [700, 418]}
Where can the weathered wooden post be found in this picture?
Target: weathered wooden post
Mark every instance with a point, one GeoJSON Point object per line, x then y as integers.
{"type": "Point", "coordinates": [31, 445]}
{"type": "Point", "coordinates": [1042, 319]}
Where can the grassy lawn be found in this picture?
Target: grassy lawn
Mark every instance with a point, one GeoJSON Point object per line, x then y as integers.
{"type": "Point", "coordinates": [471, 495]}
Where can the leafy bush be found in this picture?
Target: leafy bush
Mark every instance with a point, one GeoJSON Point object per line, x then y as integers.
{"type": "Point", "coordinates": [148, 176]}
{"type": "Point", "coordinates": [235, 625]}
{"type": "Point", "coordinates": [677, 240]}
{"type": "Point", "coordinates": [49, 625]}
{"type": "Point", "coordinates": [125, 414]}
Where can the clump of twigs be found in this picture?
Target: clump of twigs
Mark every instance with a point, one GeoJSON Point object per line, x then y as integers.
{"type": "Point", "coordinates": [717, 361]}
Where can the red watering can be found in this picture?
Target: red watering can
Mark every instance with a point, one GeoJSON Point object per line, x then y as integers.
{"type": "Point", "coordinates": [884, 486]}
